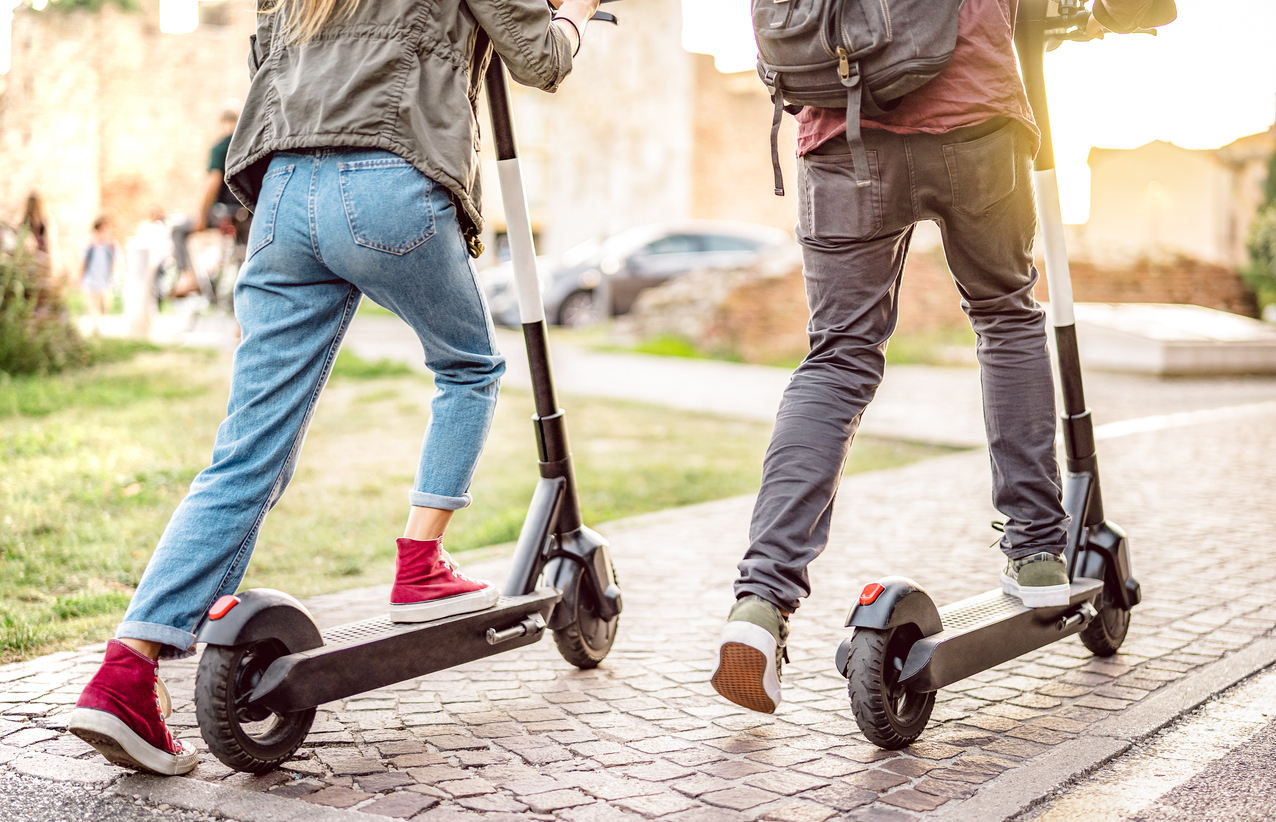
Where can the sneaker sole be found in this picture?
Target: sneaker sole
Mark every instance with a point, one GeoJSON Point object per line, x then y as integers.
{"type": "Point", "coordinates": [745, 673]}
{"type": "Point", "coordinates": [446, 607]}
{"type": "Point", "coordinates": [122, 746]}
{"type": "Point", "coordinates": [1038, 596]}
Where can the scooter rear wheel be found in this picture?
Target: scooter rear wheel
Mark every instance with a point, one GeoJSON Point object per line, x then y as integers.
{"type": "Point", "coordinates": [890, 715]}
{"type": "Point", "coordinates": [246, 738]}
{"type": "Point", "coordinates": [588, 638]}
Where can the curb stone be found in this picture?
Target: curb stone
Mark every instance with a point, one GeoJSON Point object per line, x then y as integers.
{"type": "Point", "coordinates": [1018, 791]}
{"type": "Point", "coordinates": [62, 769]}
{"type": "Point", "coordinates": [232, 803]}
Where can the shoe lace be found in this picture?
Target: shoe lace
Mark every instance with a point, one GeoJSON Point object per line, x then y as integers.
{"type": "Point", "coordinates": [169, 744]}
{"type": "Point", "coordinates": [448, 562]}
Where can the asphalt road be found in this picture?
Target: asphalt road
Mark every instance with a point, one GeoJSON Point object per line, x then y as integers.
{"type": "Point", "coordinates": [39, 800]}
{"type": "Point", "coordinates": [1218, 764]}
{"type": "Point", "coordinates": [1240, 787]}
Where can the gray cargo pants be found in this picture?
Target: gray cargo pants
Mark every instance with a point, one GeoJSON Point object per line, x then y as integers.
{"type": "Point", "coordinates": [976, 183]}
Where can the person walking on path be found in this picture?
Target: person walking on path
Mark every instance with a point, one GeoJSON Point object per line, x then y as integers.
{"type": "Point", "coordinates": [958, 151]}
{"type": "Point", "coordinates": [97, 274]}
{"type": "Point", "coordinates": [358, 147]}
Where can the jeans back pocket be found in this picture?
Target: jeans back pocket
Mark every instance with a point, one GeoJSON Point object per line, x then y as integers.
{"type": "Point", "coordinates": [262, 232]}
{"type": "Point", "coordinates": [831, 205]}
{"type": "Point", "coordinates": [387, 203]}
{"type": "Point", "coordinates": [982, 171]}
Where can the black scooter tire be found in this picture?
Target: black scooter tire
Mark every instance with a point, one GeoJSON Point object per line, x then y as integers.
{"type": "Point", "coordinates": [226, 674]}
{"type": "Point", "coordinates": [891, 717]}
{"type": "Point", "coordinates": [587, 639]}
{"type": "Point", "coordinates": [1105, 633]}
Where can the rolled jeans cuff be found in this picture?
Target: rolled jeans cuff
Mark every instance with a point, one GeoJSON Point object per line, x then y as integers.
{"type": "Point", "coordinates": [420, 499]}
{"type": "Point", "coordinates": [177, 643]}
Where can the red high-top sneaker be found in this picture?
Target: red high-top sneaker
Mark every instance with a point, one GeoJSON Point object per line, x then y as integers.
{"type": "Point", "coordinates": [121, 713]}
{"type": "Point", "coordinates": [428, 585]}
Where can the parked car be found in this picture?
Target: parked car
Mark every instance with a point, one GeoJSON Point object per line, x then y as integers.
{"type": "Point", "coordinates": [576, 285]}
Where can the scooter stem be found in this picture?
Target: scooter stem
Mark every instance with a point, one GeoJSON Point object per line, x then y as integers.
{"type": "Point", "coordinates": [551, 428]}
{"type": "Point", "coordinates": [1078, 427]}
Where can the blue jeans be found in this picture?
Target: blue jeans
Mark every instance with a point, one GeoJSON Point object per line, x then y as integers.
{"type": "Point", "coordinates": [330, 226]}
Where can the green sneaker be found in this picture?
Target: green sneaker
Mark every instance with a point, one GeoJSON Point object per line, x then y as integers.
{"type": "Point", "coordinates": [751, 653]}
{"type": "Point", "coordinates": [1040, 580]}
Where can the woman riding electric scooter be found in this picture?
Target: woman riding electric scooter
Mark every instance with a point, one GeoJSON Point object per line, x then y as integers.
{"type": "Point", "coordinates": [357, 145]}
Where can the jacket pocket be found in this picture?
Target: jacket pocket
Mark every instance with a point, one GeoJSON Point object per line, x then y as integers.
{"type": "Point", "coordinates": [387, 204]}
{"type": "Point", "coordinates": [982, 171]}
{"type": "Point", "coordinates": [831, 206]}
{"type": "Point", "coordinates": [262, 232]}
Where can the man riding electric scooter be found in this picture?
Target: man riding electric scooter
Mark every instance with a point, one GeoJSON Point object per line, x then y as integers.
{"type": "Point", "coordinates": [958, 150]}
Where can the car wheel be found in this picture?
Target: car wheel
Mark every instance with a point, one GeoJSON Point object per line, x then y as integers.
{"type": "Point", "coordinates": [578, 310]}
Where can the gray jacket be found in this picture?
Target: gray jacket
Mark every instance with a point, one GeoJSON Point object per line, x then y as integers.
{"type": "Point", "coordinates": [400, 75]}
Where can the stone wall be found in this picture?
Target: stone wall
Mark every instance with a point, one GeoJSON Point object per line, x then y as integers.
{"type": "Point", "coordinates": [104, 114]}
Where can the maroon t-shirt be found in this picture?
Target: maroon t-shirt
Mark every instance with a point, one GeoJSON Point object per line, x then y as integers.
{"type": "Point", "coordinates": [979, 83]}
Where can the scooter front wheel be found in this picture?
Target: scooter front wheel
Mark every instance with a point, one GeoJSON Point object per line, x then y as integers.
{"type": "Point", "coordinates": [245, 737]}
{"type": "Point", "coordinates": [1105, 633]}
{"type": "Point", "coordinates": [890, 715]}
{"type": "Point", "coordinates": [587, 638]}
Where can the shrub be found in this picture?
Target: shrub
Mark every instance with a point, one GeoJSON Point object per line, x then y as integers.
{"type": "Point", "coordinates": [36, 336]}
{"type": "Point", "coordinates": [1261, 273]}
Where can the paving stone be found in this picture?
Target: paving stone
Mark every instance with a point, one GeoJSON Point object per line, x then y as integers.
{"type": "Point", "coordinates": [830, 767]}
{"type": "Point", "coordinates": [875, 780]}
{"type": "Point", "coordinates": [739, 798]}
{"type": "Point", "coordinates": [438, 773]}
{"type": "Point", "coordinates": [709, 814]}
{"type": "Point", "coordinates": [912, 800]}
{"type": "Point", "coordinates": [911, 768]}
{"type": "Point", "coordinates": [1038, 733]}
{"type": "Point", "coordinates": [694, 758]}
{"type": "Point", "coordinates": [785, 783]}
{"type": "Point", "coordinates": [557, 800]}
{"type": "Point", "coordinates": [453, 742]}
{"type": "Point", "coordinates": [657, 771]}
{"type": "Point", "coordinates": [355, 766]}
{"type": "Point", "coordinates": [383, 782]}
{"type": "Point", "coordinates": [297, 788]}
{"type": "Point", "coordinates": [606, 786]}
{"type": "Point", "coordinates": [783, 757]}
{"type": "Point", "coordinates": [1019, 748]}
{"type": "Point", "coordinates": [30, 736]}
{"type": "Point", "coordinates": [800, 810]}
{"type": "Point", "coordinates": [400, 805]}
{"type": "Point", "coordinates": [598, 812]}
{"type": "Point", "coordinates": [1102, 703]}
{"type": "Point", "coordinates": [492, 803]}
{"type": "Point", "coordinates": [700, 784]}
{"type": "Point", "coordinates": [477, 759]}
{"type": "Point", "coordinates": [659, 804]}
{"type": "Point", "coordinates": [945, 789]}
{"type": "Point", "coordinates": [335, 797]}
{"type": "Point", "coordinates": [417, 760]}
{"type": "Point", "coordinates": [734, 769]}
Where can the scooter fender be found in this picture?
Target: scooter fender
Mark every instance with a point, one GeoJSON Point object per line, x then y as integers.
{"type": "Point", "coordinates": [900, 601]}
{"type": "Point", "coordinates": [1105, 555]}
{"type": "Point", "coordinates": [587, 550]}
{"type": "Point", "coordinates": [263, 613]}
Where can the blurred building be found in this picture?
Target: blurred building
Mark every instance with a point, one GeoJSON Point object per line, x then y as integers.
{"type": "Point", "coordinates": [102, 112]}
{"type": "Point", "coordinates": [1160, 201]}
{"type": "Point", "coordinates": [105, 114]}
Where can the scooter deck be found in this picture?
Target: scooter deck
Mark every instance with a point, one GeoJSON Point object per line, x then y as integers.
{"type": "Point", "coordinates": [363, 656]}
{"type": "Point", "coordinates": [990, 629]}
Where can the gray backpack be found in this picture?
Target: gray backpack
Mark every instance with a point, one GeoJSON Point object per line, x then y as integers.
{"type": "Point", "coordinates": [861, 54]}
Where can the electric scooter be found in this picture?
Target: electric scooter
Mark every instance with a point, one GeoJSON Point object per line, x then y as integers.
{"type": "Point", "coordinates": [903, 648]}
{"type": "Point", "coordinates": [267, 666]}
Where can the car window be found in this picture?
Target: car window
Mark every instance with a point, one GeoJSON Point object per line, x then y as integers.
{"type": "Point", "coordinates": [674, 244]}
{"type": "Point", "coordinates": [726, 242]}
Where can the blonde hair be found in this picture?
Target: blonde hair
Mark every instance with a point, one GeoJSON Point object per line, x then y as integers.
{"type": "Point", "coordinates": [308, 17]}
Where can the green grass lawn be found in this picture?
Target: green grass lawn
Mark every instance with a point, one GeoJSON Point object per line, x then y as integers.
{"type": "Point", "coordinates": [92, 464]}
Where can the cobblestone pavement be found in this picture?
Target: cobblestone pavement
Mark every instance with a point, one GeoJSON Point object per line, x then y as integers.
{"type": "Point", "coordinates": [524, 736]}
